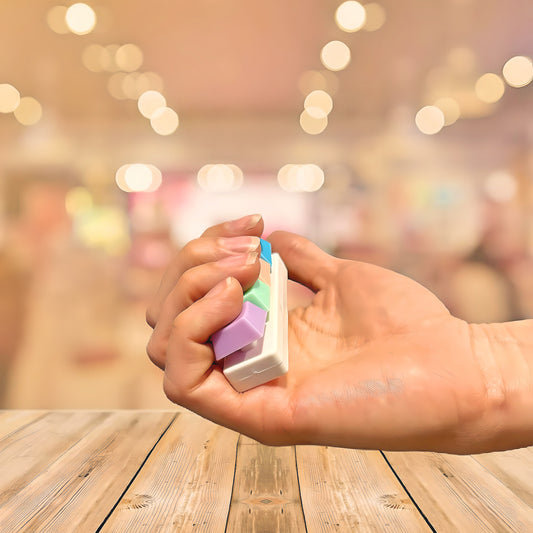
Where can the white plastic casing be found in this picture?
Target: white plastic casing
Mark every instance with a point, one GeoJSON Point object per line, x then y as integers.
{"type": "Point", "coordinates": [268, 357]}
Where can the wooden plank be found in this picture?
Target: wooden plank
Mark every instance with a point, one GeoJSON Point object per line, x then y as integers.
{"type": "Point", "coordinates": [78, 490]}
{"type": "Point", "coordinates": [353, 490]}
{"type": "Point", "coordinates": [266, 495]}
{"type": "Point", "coordinates": [514, 468]}
{"type": "Point", "coordinates": [24, 453]}
{"type": "Point", "coordinates": [13, 419]}
{"type": "Point", "coordinates": [456, 493]}
{"type": "Point", "coordinates": [185, 484]}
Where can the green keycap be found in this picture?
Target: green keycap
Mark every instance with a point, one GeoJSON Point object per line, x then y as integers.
{"type": "Point", "coordinates": [258, 294]}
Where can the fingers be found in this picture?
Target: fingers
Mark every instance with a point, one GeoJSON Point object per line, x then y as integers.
{"type": "Point", "coordinates": [247, 225]}
{"type": "Point", "coordinates": [193, 285]}
{"type": "Point", "coordinates": [190, 359]}
{"type": "Point", "coordinates": [306, 262]}
{"type": "Point", "coordinates": [230, 238]}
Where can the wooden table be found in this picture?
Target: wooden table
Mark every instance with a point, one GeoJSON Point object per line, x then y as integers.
{"type": "Point", "coordinates": [129, 471]}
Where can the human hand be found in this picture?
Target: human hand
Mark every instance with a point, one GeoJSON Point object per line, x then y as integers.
{"type": "Point", "coordinates": [375, 360]}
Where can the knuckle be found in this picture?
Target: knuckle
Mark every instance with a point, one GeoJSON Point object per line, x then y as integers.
{"type": "Point", "coordinates": [151, 316]}
{"type": "Point", "coordinates": [155, 353]}
{"type": "Point", "coordinates": [171, 391]}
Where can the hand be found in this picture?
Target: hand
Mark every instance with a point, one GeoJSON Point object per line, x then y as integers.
{"type": "Point", "coordinates": [375, 361]}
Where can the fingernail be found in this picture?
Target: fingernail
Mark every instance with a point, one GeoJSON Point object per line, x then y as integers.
{"type": "Point", "coordinates": [239, 245]}
{"type": "Point", "coordinates": [219, 288]}
{"type": "Point", "coordinates": [240, 260]}
{"type": "Point", "coordinates": [245, 223]}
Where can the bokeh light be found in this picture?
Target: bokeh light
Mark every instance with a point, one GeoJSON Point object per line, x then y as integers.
{"type": "Point", "coordinates": [500, 186]}
{"type": "Point", "coordinates": [489, 88]}
{"type": "Point", "coordinates": [9, 98]}
{"type": "Point", "coordinates": [350, 16]}
{"type": "Point", "coordinates": [129, 57]}
{"type": "Point", "coordinates": [80, 18]}
{"type": "Point", "coordinates": [138, 177]}
{"type": "Point", "coordinates": [318, 104]}
{"type": "Point", "coordinates": [149, 102]}
{"type": "Point", "coordinates": [115, 85]}
{"type": "Point", "coordinates": [92, 57]}
{"type": "Point", "coordinates": [430, 120]}
{"type": "Point", "coordinates": [29, 111]}
{"type": "Point", "coordinates": [220, 177]}
{"type": "Point", "coordinates": [375, 16]}
{"type": "Point", "coordinates": [518, 71]}
{"type": "Point", "coordinates": [313, 125]}
{"type": "Point", "coordinates": [301, 178]}
{"type": "Point", "coordinates": [335, 55]}
{"type": "Point", "coordinates": [451, 109]}
{"type": "Point", "coordinates": [56, 19]}
{"type": "Point", "coordinates": [78, 200]}
{"type": "Point", "coordinates": [164, 121]}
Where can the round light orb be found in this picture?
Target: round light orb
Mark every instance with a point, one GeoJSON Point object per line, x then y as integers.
{"type": "Point", "coordinates": [451, 109]}
{"type": "Point", "coordinates": [78, 200]}
{"type": "Point", "coordinates": [430, 120]}
{"type": "Point", "coordinates": [375, 17]}
{"type": "Point", "coordinates": [55, 19]}
{"type": "Point", "coordinates": [149, 102]}
{"type": "Point", "coordinates": [220, 177]}
{"type": "Point", "coordinates": [310, 178]}
{"type": "Point", "coordinates": [313, 125]}
{"type": "Point", "coordinates": [138, 177]}
{"type": "Point", "coordinates": [500, 186]}
{"type": "Point", "coordinates": [80, 18]}
{"type": "Point", "coordinates": [29, 111]}
{"type": "Point", "coordinates": [350, 16]}
{"type": "Point", "coordinates": [9, 98]}
{"type": "Point", "coordinates": [164, 121]}
{"type": "Point", "coordinates": [518, 71]}
{"type": "Point", "coordinates": [115, 85]}
{"type": "Point", "coordinates": [489, 88]}
{"type": "Point", "coordinates": [129, 57]}
{"type": "Point", "coordinates": [318, 103]}
{"type": "Point", "coordinates": [93, 57]}
{"type": "Point", "coordinates": [335, 55]}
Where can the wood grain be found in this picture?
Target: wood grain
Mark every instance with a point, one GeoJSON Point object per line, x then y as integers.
{"type": "Point", "coordinates": [76, 492]}
{"type": "Point", "coordinates": [457, 493]}
{"type": "Point", "coordinates": [266, 494]}
{"type": "Point", "coordinates": [11, 420]}
{"type": "Point", "coordinates": [26, 452]}
{"type": "Point", "coordinates": [185, 484]}
{"type": "Point", "coordinates": [514, 468]}
{"type": "Point", "coordinates": [353, 490]}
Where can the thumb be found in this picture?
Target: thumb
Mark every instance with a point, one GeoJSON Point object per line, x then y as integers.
{"type": "Point", "coordinates": [306, 262]}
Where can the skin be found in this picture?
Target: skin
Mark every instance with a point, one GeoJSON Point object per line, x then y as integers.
{"type": "Point", "coordinates": [376, 361]}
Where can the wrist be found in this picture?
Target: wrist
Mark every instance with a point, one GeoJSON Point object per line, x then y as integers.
{"type": "Point", "coordinates": [503, 354]}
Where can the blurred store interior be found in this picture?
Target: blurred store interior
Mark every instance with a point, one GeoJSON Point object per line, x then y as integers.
{"type": "Point", "coordinates": [398, 132]}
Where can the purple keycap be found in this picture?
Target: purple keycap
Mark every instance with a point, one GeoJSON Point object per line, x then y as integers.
{"type": "Point", "coordinates": [246, 328]}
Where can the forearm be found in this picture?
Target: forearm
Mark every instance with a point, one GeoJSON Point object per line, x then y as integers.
{"type": "Point", "coordinates": [504, 353]}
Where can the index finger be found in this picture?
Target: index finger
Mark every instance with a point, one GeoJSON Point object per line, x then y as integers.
{"type": "Point", "coordinates": [249, 225]}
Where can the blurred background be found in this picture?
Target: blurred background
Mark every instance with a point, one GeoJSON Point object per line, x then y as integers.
{"type": "Point", "coordinates": [394, 132]}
